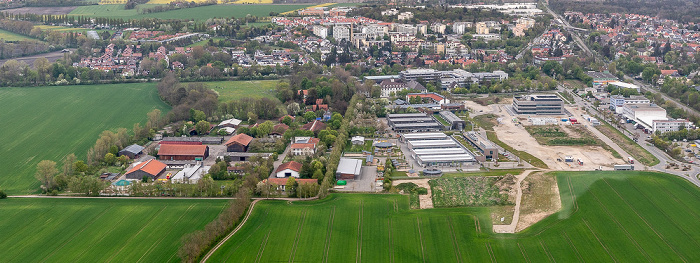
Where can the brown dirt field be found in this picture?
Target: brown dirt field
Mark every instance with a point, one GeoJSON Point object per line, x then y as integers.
{"type": "Point", "coordinates": [58, 10]}
{"type": "Point", "coordinates": [540, 199]}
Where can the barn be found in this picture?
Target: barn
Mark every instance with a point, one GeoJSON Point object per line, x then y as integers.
{"type": "Point", "coordinates": [288, 169]}
{"type": "Point", "coordinates": [132, 151]}
{"type": "Point", "coordinates": [174, 152]}
{"type": "Point", "coordinates": [151, 168]}
{"type": "Point", "coordinates": [238, 143]}
{"type": "Point", "coordinates": [348, 169]}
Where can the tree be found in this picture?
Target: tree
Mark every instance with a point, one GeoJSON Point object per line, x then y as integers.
{"type": "Point", "coordinates": [291, 187]}
{"type": "Point", "coordinates": [2, 195]}
{"type": "Point", "coordinates": [293, 109]}
{"type": "Point", "coordinates": [110, 159]}
{"type": "Point", "coordinates": [68, 162]}
{"type": "Point", "coordinates": [265, 128]}
{"type": "Point", "coordinates": [198, 115]}
{"type": "Point", "coordinates": [287, 120]}
{"type": "Point", "coordinates": [202, 127]}
{"type": "Point", "coordinates": [309, 116]}
{"type": "Point", "coordinates": [45, 172]}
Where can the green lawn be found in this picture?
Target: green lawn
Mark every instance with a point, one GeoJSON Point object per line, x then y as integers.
{"type": "Point", "coordinates": [50, 122]}
{"type": "Point", "coordinates": [606, 217]}
{"type": "Point", "coordinates": [197, 13]}
{"type": "Point", "coordinates": [99, 230]}
{"type": "Point", "coordinates": [9, 36]}
{"type": "Point", "coordinates": [232, 90]}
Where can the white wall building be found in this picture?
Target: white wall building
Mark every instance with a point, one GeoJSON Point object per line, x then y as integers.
{"type": "Point", "coordinates": [671, 125]}
{"type": "Point", "coordinates": [644, 114]}
{"type": "Point", "coordinates": [405, 16]}
{"type": "Point", "coordinates": [341, 32]}
{"type": "Point", "coordinates": [321, 31]}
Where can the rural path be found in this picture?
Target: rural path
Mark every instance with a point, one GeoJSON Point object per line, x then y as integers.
{"type": "Point", "coordinates": [279, 161]}
{"type": "Point", "coordinates": [516, 214]}
{"type": "Point", "coordinates": [240, 224]}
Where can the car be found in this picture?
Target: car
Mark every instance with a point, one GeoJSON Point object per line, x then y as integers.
{"type": "Point", "coordinates": [688, 150]}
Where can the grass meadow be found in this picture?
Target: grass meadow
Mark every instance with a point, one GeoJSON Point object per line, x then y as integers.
{"type": "Point", "coordinates": [233, 90]}
{"type": "Point", "coordinates": [10, 36]}
{"type": "Point", "coordinates": [196, 13]}
{"type": "Point", "coordinates": [47, 123]}
{"type": "Point", "coordinates": [606, 217]}
{"type": "Point", "coordinates": [99, 230]}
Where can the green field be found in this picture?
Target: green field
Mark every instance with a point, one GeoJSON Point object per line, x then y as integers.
{"type": "Point", "coordinates": [233, 90]}
{"type": "Point", "coordinates": [197, 13]}
{"type": "Point", "coordinates": [9, 36]}
{"type": "Point", "coordinates": [606, 217]}
{"type": "Point", "coordinates": [99, 230]}
{"type": "Point", "coordinates": [50, 122]}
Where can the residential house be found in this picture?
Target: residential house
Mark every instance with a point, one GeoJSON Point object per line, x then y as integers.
{"type": "Point", "coordinates": [238, 143]}
{"type": "Point", "coordinates": [288, 169]}
{"type": "Point", "coordinates": [304, 146]}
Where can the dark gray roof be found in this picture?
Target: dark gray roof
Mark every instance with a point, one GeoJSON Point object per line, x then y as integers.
{"type": "Point", "coordinates": [134, 148]}
{"type": "Point", "coordinates": [383, 144]}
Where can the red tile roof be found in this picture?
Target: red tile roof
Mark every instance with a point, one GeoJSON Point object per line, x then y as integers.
{"type": "Point", "coordinates": [433, 96]}
{"type": "Point", "coordinates": [186, 150]}
{"type": "Point", "coordinates": [241, 138]}
{"type": "Point", "coordinates": [152, 167]}
{"type": "Point", "coordinates": [294, 166]}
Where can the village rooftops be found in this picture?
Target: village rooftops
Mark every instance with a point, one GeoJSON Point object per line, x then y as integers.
{"type": "Point", "coordinates": [152, 167]}
{"type": "Point", "coordinates": [241, 138]}
{"type": "Point", "coordinates": [294, 166]}
{"type": "Point", "coordinates": [185, 150]}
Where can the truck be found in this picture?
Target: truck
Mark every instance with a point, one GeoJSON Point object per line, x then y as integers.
{"type": "Point", "coordinates": [630, 159]}
{"type": "Point", "coordinates": [624, 167]}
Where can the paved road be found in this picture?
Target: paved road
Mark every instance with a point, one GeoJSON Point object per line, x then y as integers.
{"type": "Point", "coordinates": [279, 161]}
{"type": "Point", "coordinates": [566, 25]}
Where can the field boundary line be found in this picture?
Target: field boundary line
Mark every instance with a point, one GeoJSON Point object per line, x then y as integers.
{"type": "Point", "coordinates": [358, 255]}
{"type": "Point", "coordinates": [263, 244]}
{"type": "Point", "coordinates": [240, 224]}
{"type": "Point", "coordinates": [297, 237]}
{"type": "Point", "coordinates": [571, 243]}
{"type": "Point", "coordinates": [74, 235]}
{"type": "Point", "coordinates": [163, 237]}
{"type": "Point", "coordinates": [645, 221]}
{"type": "Point", "coordinates": [492, 256]}
{"type": "Point", "coordinates": [522, 251]}
{"type": "Point", "coordinates": [651, 201]}
{"type": "Point", "coordinates": [598, 238]}
{"type": "Point", "coordinates": [137, 233]}
{"type": "Point", "coordinates": [329, 232]}
{"type": "Point", "coordinates": [546, 251]}
{"type": "Point", "coordinates": [420, 237]}
{"type": "Point", "coordinates": [675, 198]}
{"type": "Point", "coordinates": [106, 233]}
{"type": "Point", "coordinates": [454, 240]}
{"type": "Point", "coordinates": [629, 236]}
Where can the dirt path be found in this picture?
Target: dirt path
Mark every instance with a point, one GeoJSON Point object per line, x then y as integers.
{"type": "Point", "coordinates": [516, 215]}
{"type": "Point", "coordinates": [426, 201]}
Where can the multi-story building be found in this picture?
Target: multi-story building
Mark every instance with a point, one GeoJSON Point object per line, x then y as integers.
{"type": "Point", "coordinates": [671, 125]}
{"type": "Point", "coordinates": [321, 31]}
{"type": "Point", "coordinates": [617, 101]}
{"type": "Point", "coordinates": [438, 28]}
{"type": "Point", "coordinates": [341, 32]}
{"type": "Point", "coordinates": [482, 28]}
{"type": "Point", "coordinates": [538, 104]}
{"type": "Point", "coordinates": [644, 114]}
{"type": "Point", "coordinates": [405, 16]}
{"type": "Point", "coordinates": [461, 27]}
{"type": "Point", "coordinates": [425, 74]}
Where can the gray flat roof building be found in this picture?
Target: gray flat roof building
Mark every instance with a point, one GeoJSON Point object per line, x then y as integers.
{"type": "Point", "coordinates": [538, 104]}
{"type": "Point", "coordinates": [456, 123]}
{"type": "Point", "coordinates": [484, 145]}
{"type": "Point", "coordinates": [413, 122]}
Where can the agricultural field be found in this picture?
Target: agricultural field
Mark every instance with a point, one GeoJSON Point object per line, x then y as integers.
{"type": "Point", "coordinates": [606, 217]}
{"type": "Point", "coordinates": [196, 13]}
{"type": "Point", "coordinates": [233, 90]}
{"type": "Point", "coordinates": [10, 36]}
{"type": "Point", "coordinates": [471, 191]}
{"type": "Point", "coordinates": [99, 230]}
{"type": "Point", "coordinates": [43, 123]}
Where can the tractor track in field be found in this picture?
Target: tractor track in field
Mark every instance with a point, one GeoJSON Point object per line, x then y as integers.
{"type": "Point", "coordinates": [249, 236]}
{"type": "Point", "coordinates": [163, 237]}
{"type": "Point", "coordinates": [106, 233]}
{"type": "Point", "coordinates": [391, 248]}
{"type": "Point", "coordinates": [455, 243]}
{"type": "Point", "coordinates": [60, 223]}
{"type": "Point", "coordinates": [420, 238]}
{"type": "Point", "coordinates": [358, 255]}
{"type": "Point", "coordinates": [492, 255]}
{"type": "Point", "coordinates": [329, 232]}
{"type": "Point", "coordinates": [598, 238]}
{"type": "Point", "coordinates": [27, 225]}
{"type": "Point", "coordinates": [629, 236]}
{"type": "Point", "coordinates": [137, 233]}
{"type": "Point", "coordinates": [76, 234]}
{"type": "Point", "coordinates": [522, 251]}
{"type": "Point", "coordinates": [571, 243]}
{"type": "Point", "coordinates": [297, 237]}
{"type": "Point", "coordinates": [645, 221]}
{"type": "Point", "coordinates": [263, 244]}
{"type": "Point", "coordinates": [546, 251]}
{"type": "Point", "coordinates": [477, 225]}
{"type": "Point", "coordinates": [673, 222]}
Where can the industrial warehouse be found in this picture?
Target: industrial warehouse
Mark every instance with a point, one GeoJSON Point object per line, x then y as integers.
{"type": "Point", "coordinates": [413, 122]}
{"type": "Point", "coordinates": [437, 149]}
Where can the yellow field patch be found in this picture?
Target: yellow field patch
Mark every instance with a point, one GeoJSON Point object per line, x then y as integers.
{"type": "Point", "coordinates": [310, 7]}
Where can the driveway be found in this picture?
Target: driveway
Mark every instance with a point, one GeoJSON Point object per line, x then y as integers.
{"type": "Point", "coordinates": [364, 183]}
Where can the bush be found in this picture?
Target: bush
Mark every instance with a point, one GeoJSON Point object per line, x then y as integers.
{"type": "Point", "coordinates": [3, 195]}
